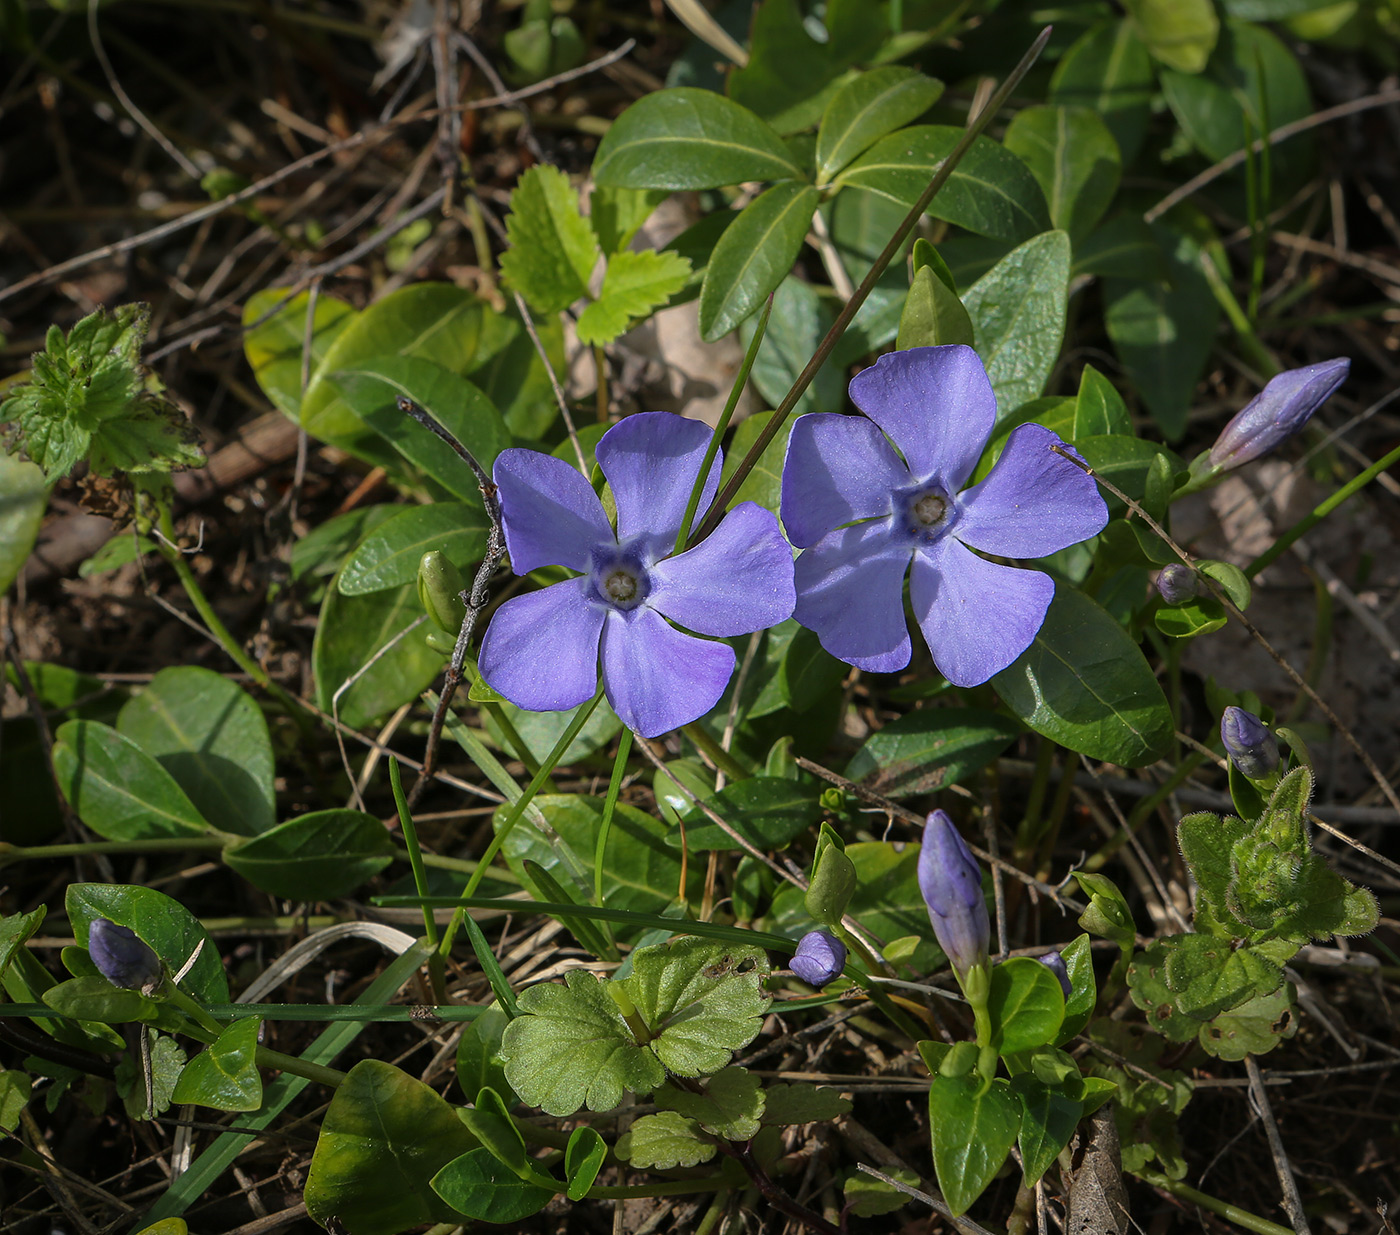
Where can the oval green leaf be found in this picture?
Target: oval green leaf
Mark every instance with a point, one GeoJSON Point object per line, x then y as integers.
{"type": "Point", "coordinates": [865, 109]}
{"type": "Point", "coordinates": [225, 1074]}
{"type": "Point", "coordinates": [1084, 683]}
{"type": "Point", "coordinates": [754, 255]}
{"type": "Point", "coordinates": [23, 496]}
{"type": "Point", "coordinates": [1026, 1004]}
{"type": "Point", "coordinates": [972, 1135]}
{"type": "Point", "coordinates": [767, 811]}
{"type": "Point", "coordinates": [1109, 71]}
{"type": "Point", "coordinates": [319, 856]}
{"type": "Point", "coordinates": [389, 556]}
{"type": "Point", "coordinates": [212, 738]}
{"type": "Point", "coordinates": [1072, 153]}
{"type": "Point", "coordinates": [274, 340]}
{"type": "Point", "coordinates": [689, 139]}
{"type": "Point", "coordinates": [482, 1187]}
{"type": "Point", "coordinates": [930, 749]}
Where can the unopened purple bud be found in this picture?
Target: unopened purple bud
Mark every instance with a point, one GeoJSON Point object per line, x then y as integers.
{"type": "Point", "coordinates": [951, 883]}
{"type": "Point", "coordinates": [122, 957]}
{"type": "Point", "coordinates": [819, 958]}
{"type": "Point", "coordinates": [1277, 412]}
{"type": "Point", "coordinates": [1176, 584]}
{"type": "Point", "coordinates": [1248, 742]}
{"type": "Point", "coordinates": [1055, 963]}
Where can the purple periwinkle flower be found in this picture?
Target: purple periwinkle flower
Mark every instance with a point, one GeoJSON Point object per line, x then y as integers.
{"type": "Point", "coordinates": [819, 958]}
{"type": "Point", "coordinates": [1176, 583]}
{"type": "Point", "coordinates": [951, 883]}
{"type": "Point", "coordinates": [1248, 742]}
{"type": "Point", "coordinates": [865, 496]}
{"type": "Point", "coordinates": [1055, 963]}
{"type": "Point", "coordinates": [1277, 412]}
{"type": "Point", "coordinates": [542, 649]}
{"type": "Point", "coordinates": [123, 957]}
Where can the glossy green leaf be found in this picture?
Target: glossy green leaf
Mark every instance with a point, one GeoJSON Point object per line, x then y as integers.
{"type": "Point", "coordinates": [552, 249]}
{"type": "Point", "coordinates": [665, 1141]}
{"type": "Point", "coordinates": [972, 1135]}
{"type": "Point", "coordinates": [23, 497]}
{"type": "Point", "coordinates": [866, 108]}
{"type": "Point", "coordinates": [437, 322]}
{"type": "Point", "coordinates": [322, 551]}
{"type": "Point", "coordinates": [768, 811]}
{"type": "Point", "coordinates": [583, 1159]}
{"type": "Point", "coordinates": [1018, 314]}
{"type": "Point", "coordinates": [991, 192]}
{"type": "Point", "coordinates": [1109, 70]}
{"type": "Point", "coordinates": [1122, 247]}
{"type": "Point", "coordinates": [490, 1122]}
{"type": "Point", "coordinates": [275, 344]}
{"type": "Point", "coordinates": [478, 1065]}
{"type": "Point", "coordinates": [1200, 616]}
{"type": "Point", "coordinates": [165, 924]}
{"type": "Point", "coordinates": [1084, 683]}
{"type": "Point", "coordinates": [754, 255]}
{"type": "Point", "coordinates": [641, 871]}
{"type": "Point", "coordinates": [799, 320]}
{"type": "Point", "coordinates": [933, 316]}
{"type": "Point", "coordinates": [689, 139]}
{"type": "Point", "coordinates": [1026, 1004]}
{"type": "Point", "coordinates": [1252, 84]}
{"type": "Point", "coordinates": [1048, 1119]}
{"type": "Point", "coordinates": [731, 1106]}
{"type": "Point", "coordinates": [371, 385]}
{"type": "Point", "coordinates": [634, 286]}
{"type": "Point", "coordinates": [1179, 33]}
{"type": "Point", "coordinates": [118, 790]}
{"type": "Point", "coordinates": [1099, 408]}
{"type": "Point", "coordinates": [384, 1137]}
{"type": "Point", "coordinates": [319, 856]}
{"type": "Point", "coordinates": [666, 782]}
{"type": "Point", "coordinates": [1073, 155]}
{"type": "Point", "coordinates": [212, 738]}
{"type": "Point", "coordinates": [96, 999]}
{"type": "Point", "coordinates": [1084, 994]}
{"type": "Point", "coordinates": [224, 1074]}
{"type": "Point", "coordinates": [1126, 462]}
{"type": "Point", "coordinates": [351, 631]}
{"type": "Point", "coordinates": [388, 557]}
{"type": "Point", "coordinates": [480, 1186]}
{"type": "Point", "coordinates": [15, 1088]}
{"type": "Point", "coordinates": [930, 749]}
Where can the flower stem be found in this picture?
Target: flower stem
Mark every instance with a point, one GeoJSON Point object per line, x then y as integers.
{"type": "Point", "coordinates": [437, 972]}
{"type": "Point", "coordinates": [624, 748]}
{"type": "Point", "coordinates": [1231, 1213]}
{"type": "Point", "coordinates": [716, 753]}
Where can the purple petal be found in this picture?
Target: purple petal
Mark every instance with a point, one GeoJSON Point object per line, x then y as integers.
{"type": "Point", "coordinates": [657, 677]}
{"type": "Point", "coordinates": [541, 649]}
{"type": "Point", "coordinates": [850, 591]}
{"type": "Point", "coordinates": [937, 406]}
{"type": "Point", "coordinates": [651, 461]}
{"type": "Point", "coordinates": [551, 515]}
{"type": "Point", "coordinates": [737, 580]}
{"type": "Point", "coordinates": [1033, 502]}
{"type": "Point", "coordinates": [838, 469]}
{"type": "Point", "coordinates": [976, 615]}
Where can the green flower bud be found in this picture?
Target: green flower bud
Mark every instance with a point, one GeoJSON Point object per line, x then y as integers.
{"type": "Point", "coordinates": [440, 585]}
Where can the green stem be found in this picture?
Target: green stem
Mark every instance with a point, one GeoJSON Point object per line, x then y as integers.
{"type": "Point", "coordinates": [514, 740]}
{"type": "Point", "coordinates": [330, 1077]}
{"type": "Point", "coordinates": [437, 969]}
{"type": "Point", "coordinates": [624, 748]}
{"type": "Point", "coordinates": [720, 757]}
{"type": "Point", "coordinates": [517, 812]}
{"type": "Point", "coordinates": [1321, 511]}
{"type": "Point", "coordinates": [171, 553]}
{"type": "Point", "coordinates": [848, 311]}
{"type": "Point", "coordinates": [1223, 1209]}
{"type": "Point", "coordinates": [740, 381]}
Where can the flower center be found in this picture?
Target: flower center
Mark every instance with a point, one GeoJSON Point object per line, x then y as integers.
{"type": "Point", "coordinates": [927, 511]}
{"type": "Point", "coordinates": [620, 587]}
{"type": "Point", "coordinates": [620, 578]}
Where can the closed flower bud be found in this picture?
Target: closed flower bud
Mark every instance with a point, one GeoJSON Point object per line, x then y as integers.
{"type": "Point", "coordinates": [1248, 742]}
{"type": "Point", "coordinates": [1176, 584]}
{"type": "Point", "coordinates": [1055, 963]}
{"type": "Point", "coordinates": [1277, 412]}
{"type": "Point", "coordinates": [819, 958]}
{"type": "Point", "coordinates": [122, 957]}
{"type": "Point", "coordinates": [440, 585]}
{"type": "Point", "coordinates": [951, 883]}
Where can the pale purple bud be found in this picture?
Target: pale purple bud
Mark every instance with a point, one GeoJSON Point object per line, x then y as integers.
{"type": "Point", "coordinates": [1277, 412]}
{"type": "Point", "coordinates": [1176, 584]}
{"type": "Point", "coordinates": [1248, 742]}
{"type": "Point", "coordinates": [1055, 963]}
{"type": "Point", "coordinates": [122, 957]}
{"type": "Point", "coordinates": [819, 958]}
{"type": "Point", "coordinates": [951, 883]}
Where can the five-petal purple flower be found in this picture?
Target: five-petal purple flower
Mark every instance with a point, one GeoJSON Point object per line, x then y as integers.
{"type": "Point", "coordinates": [863, 514]}
{"type": "Point", "coordinates": [541, 650]}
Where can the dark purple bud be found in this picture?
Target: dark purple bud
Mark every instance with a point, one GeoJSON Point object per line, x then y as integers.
{"type": "Point", "coordinates": [1055, 963]}
{"type": "Point", "coordinates": [819, 958]}
{"type": "Point", "coordinates": [1248, 742]}
{"type": "Point", "coordinates": [1277, 412]}
{"type": "Point", "coordinates": [1176, 584]}
{"type": "Point", "coordinates": [122, 957]}
{"type": "Point", "coordinates": [951, 883]}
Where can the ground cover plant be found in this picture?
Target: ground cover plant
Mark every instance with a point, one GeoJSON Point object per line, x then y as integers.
{"type": "Point", "coordinates": [774, 618]}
